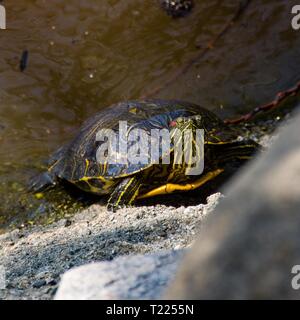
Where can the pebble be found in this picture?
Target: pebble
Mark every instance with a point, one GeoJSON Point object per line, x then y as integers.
{"type": "Point", "coordinates": [188, 211]}
{"type": "Point", "coordinates": [39, 283]}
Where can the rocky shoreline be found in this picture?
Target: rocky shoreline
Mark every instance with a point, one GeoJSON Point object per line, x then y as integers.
{"type": "Point", "coordinates": [36, 258]}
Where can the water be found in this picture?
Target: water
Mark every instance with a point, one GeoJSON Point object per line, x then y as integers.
{"type": "Point", "coordinates": [87, 54]}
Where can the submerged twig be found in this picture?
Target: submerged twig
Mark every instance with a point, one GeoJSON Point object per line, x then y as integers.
{"type": "Point", "coordinates": [280, 96]}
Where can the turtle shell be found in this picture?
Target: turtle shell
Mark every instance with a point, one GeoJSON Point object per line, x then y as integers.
{"type": "Point", "coordinates": [77, 159]}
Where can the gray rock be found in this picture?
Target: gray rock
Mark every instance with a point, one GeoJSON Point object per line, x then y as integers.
{"type": "Point", "coordinates": [127, 277]}
{"type": "Point", "coordinates": [39, 283]}
{"type": "Point", "coordinates": [252, 241]}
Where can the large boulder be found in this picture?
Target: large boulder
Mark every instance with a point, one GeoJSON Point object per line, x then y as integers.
{"type": "Point", "coordinates": [250, 244]}
{"type": "Point", "coordinates": [128, 277]}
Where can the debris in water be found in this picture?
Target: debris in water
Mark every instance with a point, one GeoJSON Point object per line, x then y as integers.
{"type": "Point", "coordinates": [24, 60]}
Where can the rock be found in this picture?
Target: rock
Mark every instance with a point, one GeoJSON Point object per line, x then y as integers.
{"type": "Point", "coordinates": [39, 283]}
{"type": "Point", "coordinates": [251, 243]}
{"type": "Point", "coordinates": [127, 277]}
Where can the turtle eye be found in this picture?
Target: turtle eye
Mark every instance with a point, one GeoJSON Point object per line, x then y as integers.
{"type": "Point", "coordinates": [173, 124]}
{"type": "Point", "coordinates": [177, 121]}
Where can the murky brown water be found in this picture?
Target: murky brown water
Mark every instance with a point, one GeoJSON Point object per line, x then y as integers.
{"type": "Point", "coordinates": [86, 54]}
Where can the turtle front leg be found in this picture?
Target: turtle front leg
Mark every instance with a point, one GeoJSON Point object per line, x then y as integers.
{"type": "Point", "coordinates": [124, 194]}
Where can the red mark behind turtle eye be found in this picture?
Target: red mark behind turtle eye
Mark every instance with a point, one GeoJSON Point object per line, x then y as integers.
{"type": "Point", "coordinates": [173, 124]}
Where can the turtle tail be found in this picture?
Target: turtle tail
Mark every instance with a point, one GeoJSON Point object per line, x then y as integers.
{"type": "Point", "coordinates": [42, 182]}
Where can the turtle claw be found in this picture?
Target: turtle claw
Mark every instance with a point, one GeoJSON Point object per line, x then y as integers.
{"type": "Point", "coordinates": [111, 207]}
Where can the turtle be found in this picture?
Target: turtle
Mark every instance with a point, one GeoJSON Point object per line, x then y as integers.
{"type": "Point", "coordinates": [81, 163]}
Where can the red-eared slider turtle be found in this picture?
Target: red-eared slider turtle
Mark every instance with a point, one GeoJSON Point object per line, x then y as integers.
{"type": "Point", "coordinates": [78, 161]}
